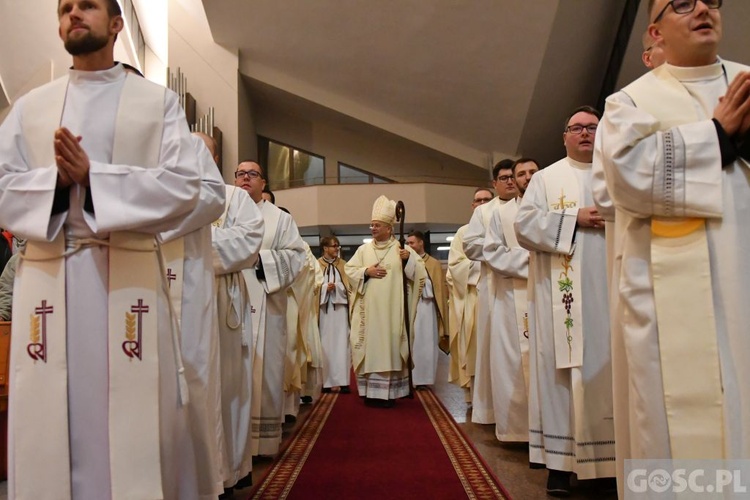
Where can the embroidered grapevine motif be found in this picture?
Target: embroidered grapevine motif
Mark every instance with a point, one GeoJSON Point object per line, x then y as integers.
{"type": "Point", "coordinates": [566, 287]}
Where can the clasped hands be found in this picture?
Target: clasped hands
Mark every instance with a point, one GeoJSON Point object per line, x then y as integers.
{"type": "Point", "coordinates": [71, 159]}
{"type": "Point", "coordinates": [733, 110]}
{"type": "Point", "coordinates": [589, 217]}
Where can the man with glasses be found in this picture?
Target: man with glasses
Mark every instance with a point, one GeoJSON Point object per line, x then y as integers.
{"type": "Point", "coordinates": [281, 258]}
{"type": "Point", "coordinates": [236, 238]}
{"type": "Point", "coordinates": [334, 318]}
{"type": "Point", "coordinates": [473, 243]}
{"type": "Point", "coordinates": [570, 389]}
{"type": "Point", "coordinates": [510, 357]}
{"type": "Point", "coordinates": [675, 147]}
{"type": "Point", "coordinates": [462, 278]}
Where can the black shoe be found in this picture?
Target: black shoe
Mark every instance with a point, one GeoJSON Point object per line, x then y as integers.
{"type": "Point", "coordinates": [605, 484]}
{"type": "Point", "coordinates": [289, 419]}
{"type": "Point", "coordinates": [227, 493]}
{"type": "Point", "coordinates": [345, 390]}
{"type": "Point", "coordinates": [326, 390]}
{"type": "Point", "coordinates": [245, 482]}
{"type": "Point", "coordinates": [306, 400]}
{"type": "Point", "coordinates": [389, 403]}
{"type": "Point", "coordinates": [558, 483]}
{"type": "Point", "coordinates": [421, 387]}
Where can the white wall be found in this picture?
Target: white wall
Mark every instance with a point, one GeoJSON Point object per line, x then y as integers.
{"type": "Point", "coordinates": [210, 69]}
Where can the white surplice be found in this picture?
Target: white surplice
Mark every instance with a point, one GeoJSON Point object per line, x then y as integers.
{"type": "Point", "coordinates": [508, 263]}
{"type": "Point", "coordinates": [570, 410]}
{"type": "Point", "coordinates": [636, 162]}
{"type": "Point", "coordinates": [334, 325]}
{"type": "Point", "coordinates": [125, 197]}
{"type": "Point", "coordinates": [199, 336]}
{"type": "Point", "coordinates": [462, 278]}
{"type": "Point", "coordinates": [425, 341]}
{"type": "Point", "coordinates": [282, 256]}
{"type": "Point", "coordinates": [236, 240]}
{"type": "Point", "coordinates": [473, 245]}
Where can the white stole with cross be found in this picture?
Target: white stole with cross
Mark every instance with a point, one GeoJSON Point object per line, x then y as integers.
{"type": "Point", "coordinates": [563, 195]}
{"type": "Point", "coordinates": [39, 347]}
{"type": "Point", "coordinates": [683, 296]}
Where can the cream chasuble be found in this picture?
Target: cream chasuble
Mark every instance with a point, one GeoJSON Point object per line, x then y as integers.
{"type": "Point", "coordinates": [132, 446]}
{"type": "Point", "coordinates": [680, 265]}
{"type": "Point", "coordinates": [653, 171]}
{"type": "Point", "coordinates": [462, 278]}
{"type": "Point", "coordinates": [378, 332]}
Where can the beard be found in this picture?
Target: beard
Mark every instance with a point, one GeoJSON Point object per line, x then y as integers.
{"type": "Point", "coordinates": [86, 44]}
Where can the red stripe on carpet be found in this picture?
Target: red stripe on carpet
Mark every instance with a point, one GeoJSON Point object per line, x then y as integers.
{"type": "Point", "coordinates": [414, 450]}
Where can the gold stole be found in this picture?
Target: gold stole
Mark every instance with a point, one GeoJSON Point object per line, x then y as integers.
{"type": "Point", "coordinates": [563, 193]}
{"type": "Point", "coordinates": [507, 218]}
{"type": "Point", "coordinates": [39, 351]}
{"type": "Point", "coordinates": [683, 297]}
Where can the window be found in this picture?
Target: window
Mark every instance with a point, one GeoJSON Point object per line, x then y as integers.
{"type": "Point", "coordinates": [289, 167]}
{"type": "Point", "coordinates": [352, 175]}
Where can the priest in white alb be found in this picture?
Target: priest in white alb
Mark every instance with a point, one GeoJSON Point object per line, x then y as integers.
{"type": "Point", "coordinates": [461, 278]}
{"type": "Point", "coordinates": [473, 244]}
{"type": "Point", "coordinates": [334, 318]}
{"type": "Point", "coordinates": [92, 167]}
{"type": "Point", "coordinates": [510, 265]}
{"type": "Point", "coordinates": [376, 271]}
{"type": "Point", "coordinates": [282, 255]}
{"type": "Point", "coordinates": [674, 147]}
{"type": "Point", "coordinates": [188, 269]}
{"type": "Point", "coordinates": [570, 390]}
{"type": "Point", "coordinates": [431, 321]}
{"type": "Point", "coordinates": [236, 237]}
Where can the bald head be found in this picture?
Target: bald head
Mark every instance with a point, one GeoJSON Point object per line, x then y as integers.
{"type": "Point", "coordinates": [210, 143]}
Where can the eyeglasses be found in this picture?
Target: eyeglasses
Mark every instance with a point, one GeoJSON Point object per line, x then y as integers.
{"type": "Point", "coordinates": [482, 200]}
{"type": "Point", "coordinates": [378, 226]}
{"type": "Point", "coordinates": [686, 7]}
{"type": "Point", "coordinates": [577, 129]}
{"type": "Point", "coordinates": [250, 174]}
{"type": "Point", "coordinates": [504, 178]}
{"type": "Point", "coordinates": [333, 246]}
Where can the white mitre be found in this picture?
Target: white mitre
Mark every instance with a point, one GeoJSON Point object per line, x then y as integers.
{"type": "Point", "coordinates": [384, 210]}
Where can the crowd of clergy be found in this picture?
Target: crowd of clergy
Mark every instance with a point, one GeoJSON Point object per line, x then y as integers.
{"type": "Point", "coordinates": [166, 325]}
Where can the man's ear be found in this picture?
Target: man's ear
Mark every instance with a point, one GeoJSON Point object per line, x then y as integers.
{"type": "Point", "coordinates": [115, 25]}
{"type": "Point", "coordinates": [655, 34]}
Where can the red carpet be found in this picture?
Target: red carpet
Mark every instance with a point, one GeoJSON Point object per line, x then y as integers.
{"type": "Point", "coordinates": [348, 450]}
